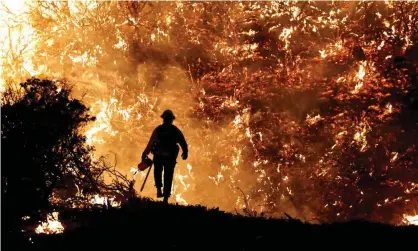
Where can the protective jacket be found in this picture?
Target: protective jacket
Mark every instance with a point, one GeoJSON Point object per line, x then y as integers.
{"type": "Point", "coordinates": [164, 141]}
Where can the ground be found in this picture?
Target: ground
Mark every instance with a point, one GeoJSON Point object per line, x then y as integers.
{"type": "Point", "coordinates": [147, 224]}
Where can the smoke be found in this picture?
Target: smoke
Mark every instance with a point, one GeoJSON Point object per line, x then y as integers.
{"type": "Point", "coordinates": [128, 93]}
{"type": "Point", "coordinates": [127, 115]}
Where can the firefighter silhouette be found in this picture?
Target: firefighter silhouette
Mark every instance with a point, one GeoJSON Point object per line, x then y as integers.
{"type": "Point", "coordinates": [163, 144]}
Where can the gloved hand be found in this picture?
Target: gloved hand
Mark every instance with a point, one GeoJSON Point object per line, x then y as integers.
{"type": "Point", "coordinates": [144, 156]}
{"type": "Point", "coordinates": [184, 155]}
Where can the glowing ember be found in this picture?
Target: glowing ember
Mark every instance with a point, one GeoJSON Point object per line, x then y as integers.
{"type": "Point", "coordinates": [313, 120]}
{"type": "Point", "coordinates": [105, 201]}
{"type": "Point", "coordinates": [51, 226]}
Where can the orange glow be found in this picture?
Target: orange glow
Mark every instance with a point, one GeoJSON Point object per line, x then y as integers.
{"type": "Point", "coordinates": [276, 108]}
{"type": "Point", "coordinates": [411, 219]}
{"type": "Point", "coordinates": [51, 226]}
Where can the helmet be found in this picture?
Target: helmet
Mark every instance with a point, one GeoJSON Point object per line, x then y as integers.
{"type": "Point", "coordinates": [168, 114]}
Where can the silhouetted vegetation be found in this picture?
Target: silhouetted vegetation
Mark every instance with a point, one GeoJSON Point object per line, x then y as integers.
{"type": "Point", "coordinates": [44, 155]}
{"type": "Point", "coordinates": [43, 150]}
{"type": "Point", "coordinates": [147, 224]}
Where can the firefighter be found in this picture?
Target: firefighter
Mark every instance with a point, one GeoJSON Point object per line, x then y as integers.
{"type": "Point", "coordinates": [163, 144]}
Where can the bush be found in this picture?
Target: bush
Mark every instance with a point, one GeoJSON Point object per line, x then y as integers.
{"type": "Point", "coordinates": [42, 147]}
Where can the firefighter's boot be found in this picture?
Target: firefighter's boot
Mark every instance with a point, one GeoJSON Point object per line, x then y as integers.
{"type": "Point", "coordinates": [165, 200]}
{"type": "Point", "coordinates": [159, 192]}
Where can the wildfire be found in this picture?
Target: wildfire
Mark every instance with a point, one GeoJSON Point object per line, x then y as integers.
{"type": "Point", "coordinates": [51, 226]}
{"type": "Point", "coordinates": [287, 101]}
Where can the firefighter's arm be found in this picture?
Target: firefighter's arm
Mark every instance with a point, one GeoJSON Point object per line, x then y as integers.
{"type": "Point", "coordinates": [151, 142]}
{"type": "Point", "coordinates": [183, 144]}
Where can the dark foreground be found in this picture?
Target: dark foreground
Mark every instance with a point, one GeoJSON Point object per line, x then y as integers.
{"type": "Point", "coordinates": [151, 225]}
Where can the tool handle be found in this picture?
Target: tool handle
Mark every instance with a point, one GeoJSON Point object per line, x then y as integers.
{"type": "Point", "coordinates": [146, 177]}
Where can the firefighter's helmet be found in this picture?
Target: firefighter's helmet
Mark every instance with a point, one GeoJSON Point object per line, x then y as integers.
{"type": "Point", "coordinates": [168, 114]}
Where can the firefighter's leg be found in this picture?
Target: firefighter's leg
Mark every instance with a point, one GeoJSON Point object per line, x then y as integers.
{"type": "Point", "coordinates": [158, 173]}
{"type": "Point", "coordinates": [168, 177]}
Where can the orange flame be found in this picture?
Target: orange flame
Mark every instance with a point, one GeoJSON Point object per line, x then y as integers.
{"type": "Point", "coordinates": [51, 226]}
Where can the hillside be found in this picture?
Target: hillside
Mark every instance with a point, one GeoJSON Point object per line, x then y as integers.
{"type": "Point", "coordinates": [148, 224]}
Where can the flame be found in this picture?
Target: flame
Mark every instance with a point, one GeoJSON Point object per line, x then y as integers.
{"type": "Point", "coordinates": [360, 137]}
{"type": "Point", "coordinates": [411, 219]}
{"type": "Point", "coordinates": [235, 142]}
{"type": "Point", "coordinates": [389, 109]}
{"type": "Point", "coordinates": [105, 201]}
{"type": "Point", "coordinates": [361, 71]}
{"type": "Point", "coordinates": [16, 42]}
{"type": "Point", "coordinates": [286, 35]}
{"type": "Point", "coordinates": [360, 76]}
{"type": "Point", "coordinates": [314, 119]}
{"type": "Point", "coordinates": [51, 226]}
